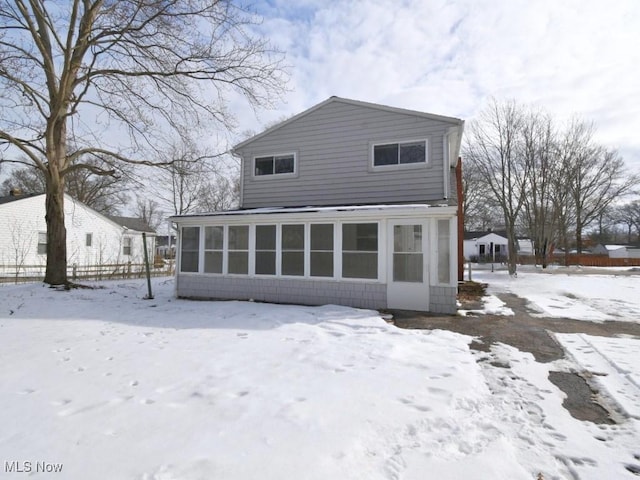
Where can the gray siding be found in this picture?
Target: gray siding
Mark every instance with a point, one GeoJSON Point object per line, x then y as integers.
{"type": "Point", "coordinates": [277, 290]}
{"type": "Point", "coordinates": [332, 145]}
{"type": "Point", "coordinates": [443, 299]}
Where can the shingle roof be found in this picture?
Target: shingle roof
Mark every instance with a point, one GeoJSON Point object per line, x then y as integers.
{"type": "Point", "coordinates": [13, 198]}
{"type": "Point", "coordinates": [132, 223]}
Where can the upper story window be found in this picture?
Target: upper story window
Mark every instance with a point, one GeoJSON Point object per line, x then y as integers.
{"type": "Point", "coordinates": [401, 153]}
{"type": "Point", "coordinates": [275, 165]}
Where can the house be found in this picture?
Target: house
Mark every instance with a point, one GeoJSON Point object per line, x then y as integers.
{"type": "Point", "coordinates": [348, 202]}
{"type": "Point", "coordinates": [486, 246]}
{"type": "Point", "coordinates": [617, 251]}
{"type": "Point", "coordinates": [92, 238]}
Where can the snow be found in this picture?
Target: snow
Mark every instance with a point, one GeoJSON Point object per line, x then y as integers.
{"type": "Point", "coordinates": [491, 305]}
{"type": "Point", "coordinates": [595, 298]}
{"type": "Point", "coordinates": [114, 386]}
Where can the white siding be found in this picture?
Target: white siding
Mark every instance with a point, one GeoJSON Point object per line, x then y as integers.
{"type": "Point", "coordinates": [21, 220]}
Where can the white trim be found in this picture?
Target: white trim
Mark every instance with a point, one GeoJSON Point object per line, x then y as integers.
{"type": "Point", "coordinates": [399, 166]}
{"type": "Point", "coordinates": [445, 164]}
{"type": "Point", "coordinates": [274, 175]}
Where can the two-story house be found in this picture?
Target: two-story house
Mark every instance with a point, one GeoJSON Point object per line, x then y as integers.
{"type": "Point", "coordinates": [348, 202]}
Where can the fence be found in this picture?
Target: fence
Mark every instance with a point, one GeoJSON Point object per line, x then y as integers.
{"type": "Point", "coordinates": [35, 273]}
{"type": "Point", "coordinates": [584, 260]}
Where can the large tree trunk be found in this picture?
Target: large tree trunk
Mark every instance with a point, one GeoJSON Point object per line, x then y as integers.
{"type": "Point", "coordinates": [56, 273]}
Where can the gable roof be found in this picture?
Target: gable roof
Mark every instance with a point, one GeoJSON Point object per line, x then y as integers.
{"type": "Point", "coordinates": [482, 233]}
{"type": "Point", "coordinates": [348, 101]}
{"type": "Point", "coordinates": [132, 223]}
{"type": "Point", "coordinates": [22, 196]}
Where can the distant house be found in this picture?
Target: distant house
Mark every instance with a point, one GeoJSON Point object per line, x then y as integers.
{"type": "Point", "coordinates": [92, 238]}
{"type": "Point", "coordinates": [486, 246]}
{"type": "Point", "coordinates": [617, 251]}
{"type": "Point", "coordinates": [348, 202]}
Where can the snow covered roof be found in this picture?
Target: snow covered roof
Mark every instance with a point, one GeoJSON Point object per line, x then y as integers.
{"type": "Point", "coordinates": [132, 223]}
{"type": "Point", "coordinates": [339, 208]}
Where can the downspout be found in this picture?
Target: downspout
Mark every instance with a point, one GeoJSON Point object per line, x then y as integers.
{"type": "Point", "coordinates": [460, 220]}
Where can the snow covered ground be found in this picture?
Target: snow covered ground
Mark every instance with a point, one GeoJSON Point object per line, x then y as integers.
{"type": "Point", "coordinates": [113, 386]}
{"type": "Point", "coordinates": [595, 298]}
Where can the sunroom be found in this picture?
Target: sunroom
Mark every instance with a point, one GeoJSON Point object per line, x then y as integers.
{"type": "Point", "coordinates": [375, 256]}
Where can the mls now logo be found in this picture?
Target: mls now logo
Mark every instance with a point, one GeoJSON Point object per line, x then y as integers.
{"type": "Point", "coordinates": [28, 467]}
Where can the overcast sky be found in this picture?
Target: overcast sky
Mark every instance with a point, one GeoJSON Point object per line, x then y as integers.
{"type": "Point", "coordinates": [448, 57]}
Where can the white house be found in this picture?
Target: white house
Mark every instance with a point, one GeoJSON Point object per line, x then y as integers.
{"type": "Point", "coordinates": [617, 251]}
{"type": "Point", "coordinates": [92, 238]}
{"type": "Point", "coordinates": [485, 246]}
{"type": "Point", "coordinates": [347, 202]}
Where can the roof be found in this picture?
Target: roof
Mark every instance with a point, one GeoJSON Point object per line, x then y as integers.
{"type": "Point", "coordinates": [280, 210]}
{"type": "Point", "coordinates": [13, 198]}
{"type": "Point", "coordinates": [358, 103]}
{"type": "Point", "coordinates": [480, 234]}
{"type": "Point", "coordinates": [132, 223]}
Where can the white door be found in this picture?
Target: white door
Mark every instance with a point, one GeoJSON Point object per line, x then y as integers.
{"type": "Point", "coordinates": [408, 279]}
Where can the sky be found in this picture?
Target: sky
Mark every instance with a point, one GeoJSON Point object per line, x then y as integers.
{"type": "Point", "coordinates": [449, 57]}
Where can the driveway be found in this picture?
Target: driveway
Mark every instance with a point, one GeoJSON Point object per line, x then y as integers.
{"type": "Point", "coordinates": [531, 334]}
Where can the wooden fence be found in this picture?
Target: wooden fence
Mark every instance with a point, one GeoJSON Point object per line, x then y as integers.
{"type": "Point", "coordinates": [585, 260]}
{"type": "Point", "coordinates": [35, 273]}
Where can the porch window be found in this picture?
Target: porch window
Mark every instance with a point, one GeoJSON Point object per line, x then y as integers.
{"type": "Point", "coordinates": [42, 243]}
{"type": "Point", "coordinates": [213, 238]}
{"type": "Point", "coordinates": [190, 248]}
{"type": "Point", "coordinates": [274, 165]}
{"type": "Point", "coordinates": [265, 250]}
{"type": "Point", "coordinates": [321, 250]}
{"type": "Point", "coordinates": [444, 252]}
{"type": "Point", "coordinates": [360, 250]}
{"type": "Point", "coordinates": [293, 250]}
{"type": "Point", "coordinates": [401, 153]}
{"type": "Point", "coordinates": [238, 249]}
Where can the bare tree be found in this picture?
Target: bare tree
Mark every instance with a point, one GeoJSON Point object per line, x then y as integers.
{"type": "Point", "coordinates": [480, 209]}
{"type": "Point", "coordinates": [148, 211]}
{"type": "Point", "coordinates": [103, 193]}
{"type": "Point", "coordinates": [492, 146]}
{"type": "Point", "coordinates": [21, 242]}
{"type": "Point", "coordinates": [538, 149]}
{"type": "Point", "coordinates": [629, 215]}
{"type": "Point", "coordinates": [220, 194]}
{"type": "Point", "coordinates": [95, 69]}
{"type": "Point", "coordinates": [596, 177]}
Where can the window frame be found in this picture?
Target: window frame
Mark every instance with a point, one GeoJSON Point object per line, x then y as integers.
{"type": "Point", "coordinates": [226, 258]}
{"type": "Point", "coordinates": [41, 244]}
{"type": "Point", "coordinates": [182, 250]}
{"type": "Point", "coordinates": [276, 250]}
{"type": "Point", "coordinates": [127, 240]}
{"type": "Point", "coordinates": [274, 175]}
{"type": "Point", "coordinates": [399, 166]}
{"type": "Point", "coordinates": [220, 250]}
{"type": "Point", "coordinates": [282, 250]}
{"type": "Point", "coordinates": [88, 240]}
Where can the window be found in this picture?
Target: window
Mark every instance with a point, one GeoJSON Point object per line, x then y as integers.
{"type": "Point", "coordinates": [190, 249]}
{"type": "Point", "coordinates": [42, 243]}
{"type": "Point", "coordinates": [293, 250]}
{"type": "Point", "coordinates": [321, 250]}
{"type": "Point", "coordinates": [402, 153]}
{"type": "Point", "coordinates": [126, 246]}
{"type": "Point", "coordinates": [238, 255]}
{"type": "Point", "coordinates": [213, 238]}
{"type": "Point", "coordinates": [88, 239]}
{"type": "Point", "coordinates": [265, 250]}
{"type": "Point", "coordinates": [444, 275]}
{"type": "Point", "coordinates": [407, 253]}
{"type": "Point", "coordinates": [274, 165]}
{"type": "Point", "coordinates": [360, 250]}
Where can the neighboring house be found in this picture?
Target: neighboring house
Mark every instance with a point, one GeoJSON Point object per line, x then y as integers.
{"type": "Point", "coordinates": [166, 246]}
{"type": "Point", "coordinates": [486, 246]}
{"type": "Point", "coordinates": [348, 202]}
{"type": "Point", "coordinates": [92, 238]}
{"type": "Point", "coordinates": [617, 251]}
